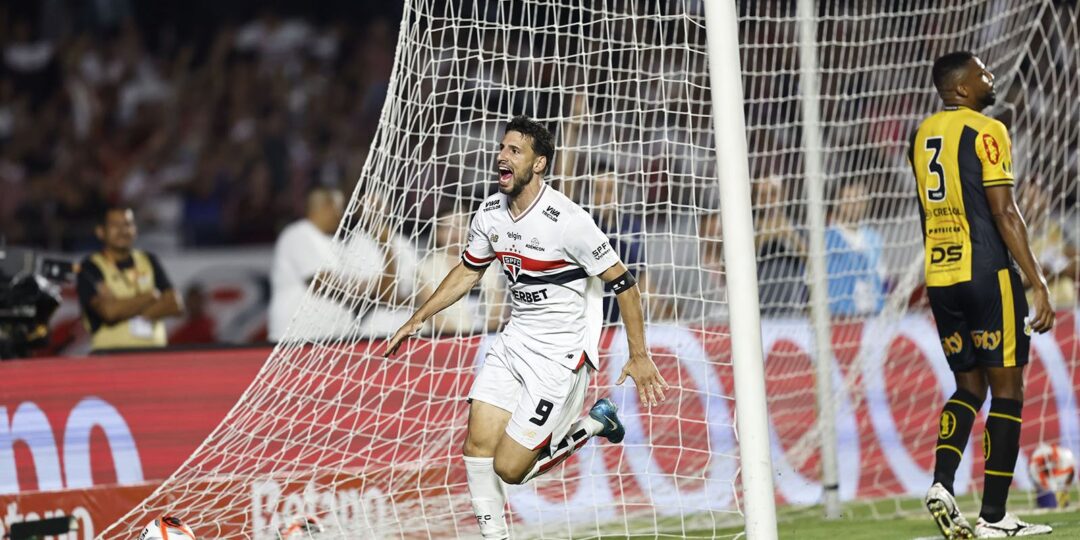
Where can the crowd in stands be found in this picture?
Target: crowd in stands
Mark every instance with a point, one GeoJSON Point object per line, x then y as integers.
{"type": "Point", "coordinates": [215, 136]}
{"type": "Point", "coordinates": [217, 132]}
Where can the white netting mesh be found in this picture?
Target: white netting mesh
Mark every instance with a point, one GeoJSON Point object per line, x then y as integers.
{"type": "Point", "coordinates": [373, 446]}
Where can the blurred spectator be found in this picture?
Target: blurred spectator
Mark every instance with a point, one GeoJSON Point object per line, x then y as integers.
{"type": "Point", "coordinates": [853, 254]}
{"type": "Point", "coordinates": [124, 292]}
{"type": "Point", "coordinates": [780, 250]}
{"type": "Point", "coordinates": [1058, 256]}
{"type": "Point", "coordinates": [482, 309]}
{"type": "Point", "coordinates": [305, 251]}
{"type": "Point", "coordinates": [213, 132]}
{"type": "Point", "coordinates": [713, 280]}
{"type": "Point", "coordinates": [387, 261]}
{"type": "Point", "coordinates": [198, 326]}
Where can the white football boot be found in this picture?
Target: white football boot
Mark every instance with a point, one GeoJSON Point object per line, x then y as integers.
{"type": "Point", "coordinates": [948, 518]}
{"type": "Point", "coordinates": [1010, 525]}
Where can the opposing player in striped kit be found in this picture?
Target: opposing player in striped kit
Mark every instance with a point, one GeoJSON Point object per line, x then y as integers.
{"type": "Point", "coordinates": [523, 417]}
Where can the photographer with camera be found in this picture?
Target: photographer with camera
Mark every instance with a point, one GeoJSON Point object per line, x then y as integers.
{"type": "Point", "coordinates": [124, 292]}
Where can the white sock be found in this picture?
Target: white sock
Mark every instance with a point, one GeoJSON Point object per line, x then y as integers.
{"type": "Point", "coordinates": [580, 432]}
{"type": "Point", "coordinates": [488, 497]}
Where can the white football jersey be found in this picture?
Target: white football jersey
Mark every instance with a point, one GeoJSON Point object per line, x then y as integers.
{"type": "Point", "coordinates": [550, 255]}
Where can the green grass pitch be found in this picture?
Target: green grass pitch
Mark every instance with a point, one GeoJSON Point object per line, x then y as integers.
{"type": "Point", "coordinates": [891, 519]}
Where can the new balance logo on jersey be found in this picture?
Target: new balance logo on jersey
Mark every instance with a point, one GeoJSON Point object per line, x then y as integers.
{"type": "Point", "coordinates": [512, 265]}
{"type": "Point", "coordinates": [493, 204]}
{"type": "Point", "coordinates": [534, 244]}
{"type": "Point", "coordinates": [530, 297]}
{"type": "Point", "coordinates": [551, 213]}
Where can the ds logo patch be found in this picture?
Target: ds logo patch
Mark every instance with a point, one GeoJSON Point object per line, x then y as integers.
{"type": "Point", "coordinates": [946, 254]}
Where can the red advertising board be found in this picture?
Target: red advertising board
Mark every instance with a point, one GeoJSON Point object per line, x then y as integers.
{"type": "Point", "coordinates": [72, 430]}
{"type": "Point", "coordinates": [92, 436]}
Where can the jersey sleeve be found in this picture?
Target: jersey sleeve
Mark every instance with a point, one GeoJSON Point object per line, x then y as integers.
{"type": "Point", "coordinates": [478, 252]}
{"type": "Point", "coordinates": [588, 247]}
{"type": "Point", "coordinates": [87, 282]}
{"type": "Point", "coordinates": [161, 279]}
{"type": "Point", "coordinates": [995, 152]}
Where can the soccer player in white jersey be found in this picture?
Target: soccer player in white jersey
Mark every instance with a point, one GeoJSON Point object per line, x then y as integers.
{"type": "Point", "coordinates": [523, 417]}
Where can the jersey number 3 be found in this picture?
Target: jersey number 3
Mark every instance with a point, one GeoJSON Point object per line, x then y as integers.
{"type": "Point", "coordinates": [937, 194]}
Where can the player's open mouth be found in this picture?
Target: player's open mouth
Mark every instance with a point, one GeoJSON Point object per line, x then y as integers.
{"type": "Point", "coordinates": [505, 175]}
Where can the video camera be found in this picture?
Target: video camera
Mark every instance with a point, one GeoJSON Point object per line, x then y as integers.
{"type": "Point", "coordinates": [29, 295]}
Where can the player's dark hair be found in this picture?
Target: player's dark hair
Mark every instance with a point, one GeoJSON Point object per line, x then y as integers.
{"type": "Point", "coordinates": [542, 141]}
{"type": "Point", "coordinates": [947, 66]}
{"type": "Point", "coordinates": [103, 214]}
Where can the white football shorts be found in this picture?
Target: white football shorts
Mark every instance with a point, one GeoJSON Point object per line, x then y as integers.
{"type": "Point", "coordinates": [543, 396]}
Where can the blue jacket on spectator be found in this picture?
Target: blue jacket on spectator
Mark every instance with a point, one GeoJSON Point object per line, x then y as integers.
{"type": "Point", "coordinates": [853, 264]}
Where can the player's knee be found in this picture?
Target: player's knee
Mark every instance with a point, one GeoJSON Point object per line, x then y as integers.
{"type": "Point", "coordinates": [1015, 392]}
{"type": "Point", "coordinates": [473, 447]}
{"type": "Point", "coordinates": [1007, 384]}
{"type": "Point", "coordinates": [508, 473]}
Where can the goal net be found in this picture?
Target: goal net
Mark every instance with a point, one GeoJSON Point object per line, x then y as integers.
{"type": "Point", "coordinates": [371, 447]}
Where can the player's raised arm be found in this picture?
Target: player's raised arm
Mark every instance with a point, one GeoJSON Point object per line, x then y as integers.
{"type": "Point", "coordinates": [461, 279]}
{"type": "Point", "coordinates": [640, 367]}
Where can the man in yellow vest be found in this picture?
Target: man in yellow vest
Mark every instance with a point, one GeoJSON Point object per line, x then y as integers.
{"type": "Point", "coordinates": [124, 292]}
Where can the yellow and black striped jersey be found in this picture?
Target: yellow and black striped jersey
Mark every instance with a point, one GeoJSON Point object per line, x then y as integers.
{"type": "Point", "coordinates": [955, 154]}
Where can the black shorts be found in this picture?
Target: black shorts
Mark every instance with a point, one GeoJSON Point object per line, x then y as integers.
{"type": "Point", "coordinates": [975, 331]}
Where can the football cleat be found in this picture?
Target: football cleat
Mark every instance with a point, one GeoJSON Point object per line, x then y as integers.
{"type": "Point", "coordinates": [605, 412]}
{"type": "Point", "coordinates": [948, 518]}
{"type": "Point", "coordinates": [1010, 525]}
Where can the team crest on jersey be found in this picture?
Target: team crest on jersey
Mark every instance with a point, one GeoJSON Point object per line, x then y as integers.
{"type": "Point", "coordinates": [993, 152]}
{"type": "Point", "coordinates": [512, 265]}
